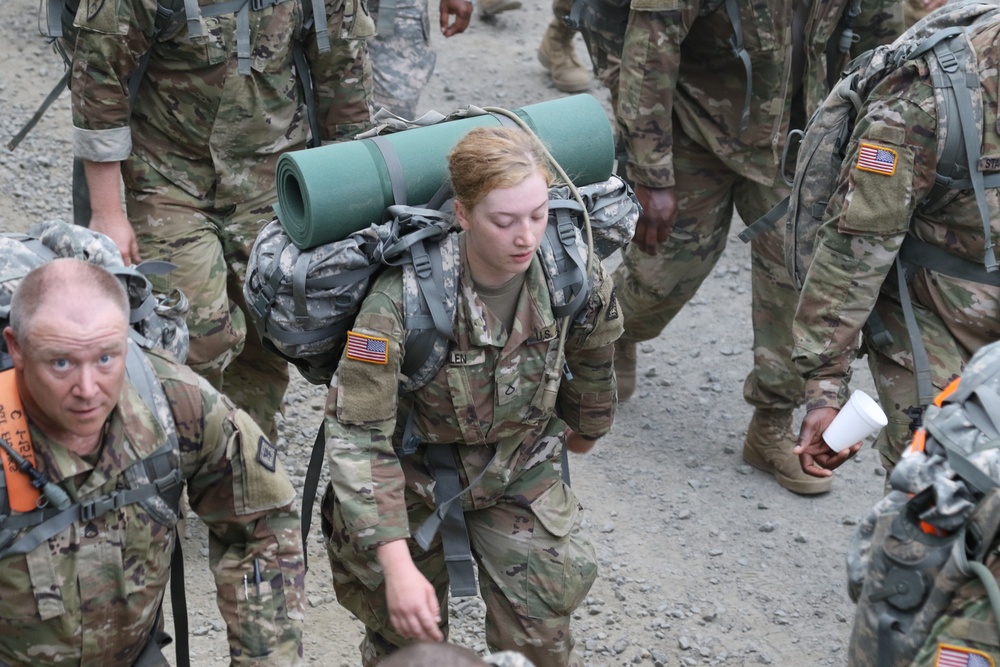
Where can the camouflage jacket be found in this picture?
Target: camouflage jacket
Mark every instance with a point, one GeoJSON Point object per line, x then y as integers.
{"type": "Point", "coordinates": [497, 396]}
{"type": "Point", "coordinates": [197, 120]}
{"type": "Point", "coordinates": [90, 594]}
{"type": "Point", "coordinates": [866, 222]}
{"type": "Point", "coordinates": [678, 72]}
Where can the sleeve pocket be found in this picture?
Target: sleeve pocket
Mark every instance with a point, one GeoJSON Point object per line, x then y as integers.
{"type": "Point", "coordinates": [880, 189]}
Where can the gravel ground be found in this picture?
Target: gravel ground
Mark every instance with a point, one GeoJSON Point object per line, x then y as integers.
{"type": "Point", "coordinates": [703, 560]}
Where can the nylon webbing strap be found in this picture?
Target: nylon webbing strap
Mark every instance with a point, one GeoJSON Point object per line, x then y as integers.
{"type": "Point", "coordinates": [87, 511]}
{"type": "Point", "coordinates": [454, 534]}
{"type": "Point", "coordinates": [304, 75]}
{"type": "Point", "coordinates": [395, 168]}
{"type": "Point", "coordinates": [766, 222]}
{"type": "Point", "coordinates": [886, 624]}
{"type": "Point", "coordinates": [385, 24]}
{"type": "Point", "coordinates": [572, 266]}
{"type": "Point", "coordinates": [310, 488]}
{"type": "Point", "coordinates": [178, 603]}
{"type": "Point", "coordinates": [921, 363]}
{"type": "Point", "coordinates": [914, 251]}
{"type": "Point", "coordinates": [54, 11]}
{"type": "Point", "coordinates": [427, 269]}
{"type": "Point", "coordinates": [960, 84]}
{"type": "Point", "coordinates": [739, 50]}
{"type": "Point", "coordinates": [243, 40]}
{"type": "Point", "coordinates": [193, 13]}
{"type": "Point", "coordinates": [37, 116]}
{"type": "Point", "coordinates": [322, 30]}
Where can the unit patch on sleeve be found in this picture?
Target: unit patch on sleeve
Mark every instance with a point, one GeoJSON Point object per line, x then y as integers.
{"type": "Point", "coordinates": [367, 348]}
{"type": "Point", "coordinates": [877, 159]}
{"type": "Point", "coordinates": [612, 310]}
{"type": "Point", "coordinates": [267, 454]}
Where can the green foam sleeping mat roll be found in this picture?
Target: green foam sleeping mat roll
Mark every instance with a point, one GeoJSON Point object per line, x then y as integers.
{"type": "Point", "coordinates": [326, 193]}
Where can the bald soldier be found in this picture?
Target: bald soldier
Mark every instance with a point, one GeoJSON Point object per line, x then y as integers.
{"type": "Point", "coordinates": [84, 584]}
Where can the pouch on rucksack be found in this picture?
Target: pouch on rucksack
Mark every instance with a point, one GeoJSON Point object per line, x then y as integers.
{"type": "Point", "coordinates": [932, 534]}
{"type": "Point", "coordinates": [157, 320]}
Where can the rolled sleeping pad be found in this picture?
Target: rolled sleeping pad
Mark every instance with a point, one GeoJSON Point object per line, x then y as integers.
{"type": "Point", "coordinates": [326, 193]}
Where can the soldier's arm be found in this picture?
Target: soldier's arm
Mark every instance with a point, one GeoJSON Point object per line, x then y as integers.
{"type": "Point", "coordinates": [866, 221]}
{"type": "Point", "coordinates": [651, 60]}
{"type": "Point", "coordinates": [587, 401]}
{"type": "Point", "coordinates": [880, 22]}
{"type": "Point", "coordinates": [342, 77]}
{"type": "Point", "coordinates": [237, 485]}
{"type": "Point", "coordinates": [360, 419]}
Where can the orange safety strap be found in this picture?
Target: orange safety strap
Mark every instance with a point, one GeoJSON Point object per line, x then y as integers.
{"type": "Point", "coordinates": [920, 437]}
{"type": "Point", "coordinates": [21, 495]}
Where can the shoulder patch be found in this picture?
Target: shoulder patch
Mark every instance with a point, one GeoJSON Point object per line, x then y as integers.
{"type": "Point", "coordinates": [267, 454]}
{"type": "Point", "coordinates": [370, 349]}
{"type": "Point", "coordinates": [877, 159]}
{"type": "Point", "coordinates": [612, 310]}
{"type": "Point", "coordinates": [959, 656]}
{"type": "Point", "coordinates": [94, 8]}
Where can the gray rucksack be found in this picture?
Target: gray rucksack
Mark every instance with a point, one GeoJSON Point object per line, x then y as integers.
{"type": "Point", "coordinates": [938, 529]}
{"type": "Point", "coordinates": [304, 301]}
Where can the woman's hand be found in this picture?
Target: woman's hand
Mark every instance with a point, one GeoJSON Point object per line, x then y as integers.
{"type": "Point", "coordinates": [413, 604]}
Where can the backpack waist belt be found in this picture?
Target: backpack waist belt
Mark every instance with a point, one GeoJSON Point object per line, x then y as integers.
{"type": "Point", "coordinates": [918, 253]}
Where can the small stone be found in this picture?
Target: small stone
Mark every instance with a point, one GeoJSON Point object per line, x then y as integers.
{"type": "Point", "coordinates": [801, 539]}
{"type": "Point", "coordinates": [767, 527]}
{"type": "Point", "coordinates": [684, 514]}
{"type": "Point", "coordinates": [683, 643]}
{"type": "Point", "coordinates": [715, 551]}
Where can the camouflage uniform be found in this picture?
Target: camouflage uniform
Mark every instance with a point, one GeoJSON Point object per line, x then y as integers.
{"type": "Point", "coordinates": [401, 53]}
{"type": "Point", "coordinates": [199, 153]}
{"type": "Point", "coordinates": [867, 219]}
{"type": "Point", "coordinates": [495, 401]}
{"type": "Point", "coordinates": [681, 94]}
{"type": "Point", "coordinates": [91, 594]}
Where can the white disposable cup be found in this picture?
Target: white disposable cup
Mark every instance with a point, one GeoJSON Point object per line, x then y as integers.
{"type": "Point", "coordinates": [860, 417]}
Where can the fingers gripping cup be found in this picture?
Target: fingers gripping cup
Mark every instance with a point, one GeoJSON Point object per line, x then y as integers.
{"type": "Point", "coordinates": [860, 417]}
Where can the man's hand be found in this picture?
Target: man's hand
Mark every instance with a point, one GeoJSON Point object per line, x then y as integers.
{"type": "Point", "coordinates": [460, 10]}
{"type": "Point", "coordinates": [815, 456]}
{"type": "Point", "coordinates": [413, 605]}
{"type": "Point", "coordinates": [117, 227]}
{"type": "Point", "coordinates": [577, 444]}
{"type": "Point", "coordinates": [659, 213]}
{"type": "Point", "coordinates": [108, 214]}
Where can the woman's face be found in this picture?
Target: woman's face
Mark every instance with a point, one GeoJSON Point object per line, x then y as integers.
{"type": "Point", "coordinates": [504, 230]}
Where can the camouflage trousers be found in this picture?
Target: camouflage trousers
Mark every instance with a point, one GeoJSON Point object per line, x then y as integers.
{"type": "Point", "coordinates": [210, 248]}
{"type": "Point", "coordinates": [401, 54]}
{"type": "Point", "coordinates": [890, 359]}
{"type": "Point", "coordinates": [535, 568]}
{"type": "Point", "coordinates": [652, 289]}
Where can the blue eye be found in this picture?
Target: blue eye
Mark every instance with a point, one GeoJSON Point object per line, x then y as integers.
{"type": "Point", "coordinates": [60, 364]}
{"type": "Point", "coordinates": [105, 359]}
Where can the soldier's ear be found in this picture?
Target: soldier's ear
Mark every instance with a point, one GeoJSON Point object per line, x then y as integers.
{"type": "Point", "coordinates": [462, 215]}
{"type": "Point", "coordinates": [12, 346]}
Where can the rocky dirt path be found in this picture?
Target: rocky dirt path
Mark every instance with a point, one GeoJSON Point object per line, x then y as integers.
{"type": "Point", "coordinates": [703, 560]}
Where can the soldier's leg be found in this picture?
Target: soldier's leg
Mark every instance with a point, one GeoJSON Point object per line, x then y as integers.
{"type": "Point", "coordinates": [773, 386]}
{"type": "Point", "coordinates": [890, 360]}
{"type": "Point", "coordinates": [358, 582]}
{"type": "Point", "coordinates": [535, 568]}
{"type": "Point", "coordinates": [256, 379]}
{"type": "Point", "coordinates": [172, 225]}
{"type": "Point", "coordinates": [557, 54]}
{"type": "Point", "coordinates": [653, 288]}
{"type": "Point", "coordinates": [401, 55]}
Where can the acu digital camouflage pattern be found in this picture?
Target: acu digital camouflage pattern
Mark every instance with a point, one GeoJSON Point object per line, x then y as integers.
{"type": "Point", "coordinates": [956, 612]}
{"type": "Point", "coordinates": [401, 54]}
{"type": "Point", "coordinates": [508, 659]}
{"type": "Point", "coordinates": [159, 317]}
{"type": "Point", "coordinates": [867, 220]}
{"type": "Point", "coordinates": [496, 398]}
{"type": "Point", "coordinates": [199, 152]}
{"type": "Point", "coordinates": [90, 595]}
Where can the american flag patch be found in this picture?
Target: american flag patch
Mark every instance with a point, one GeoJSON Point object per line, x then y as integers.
{"type": "Point", "coordinates": [367, 348]}
{"type": "Point", "coordinates": [877, 159]}
{"type": "Point", "coordinates": [957, 656]}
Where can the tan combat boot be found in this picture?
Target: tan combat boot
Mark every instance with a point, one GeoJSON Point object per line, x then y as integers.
{"type": "Point", "coordinates": [768, 448]}
{"type": "Point", "coordinates": [557, 56]}
{"type": "Point", "coordinates": [625, 363]}
{"type": "Point", "coordinates": [493, 7]}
